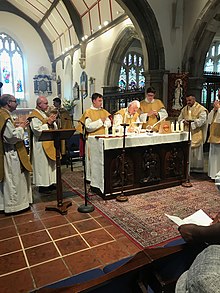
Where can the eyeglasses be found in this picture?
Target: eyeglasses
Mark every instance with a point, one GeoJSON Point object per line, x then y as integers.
{"type": "Point", "coordinates": [15, 101]}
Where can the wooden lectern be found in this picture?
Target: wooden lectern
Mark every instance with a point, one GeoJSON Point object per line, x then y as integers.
{"type": "Point", "coordinates": [56, 136]}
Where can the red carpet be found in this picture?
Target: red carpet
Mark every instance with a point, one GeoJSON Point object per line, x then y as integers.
{"type": "Point", "coordinates": [142, 217]}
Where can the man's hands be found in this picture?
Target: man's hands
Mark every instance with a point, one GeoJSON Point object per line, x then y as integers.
{"type": "Point", "coordinates": [152, 112]}
{"type": "Point", "coordinates": [51, 119]}
{"type": "Point", "coordinates": [188, 231]}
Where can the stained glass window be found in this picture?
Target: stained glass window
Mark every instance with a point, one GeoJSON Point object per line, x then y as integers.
{"type": "Point", "coordinates": [131, 76]}
{"type": "Point", "coordinates": [11, 67]}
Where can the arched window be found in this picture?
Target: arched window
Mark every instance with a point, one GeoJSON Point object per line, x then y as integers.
{"type": "Point", "coordinates": [212, 73]}
{"type": "Point", "coordinates": [11, 67]}
{"type": "Point", "coordinates": [131, 77]}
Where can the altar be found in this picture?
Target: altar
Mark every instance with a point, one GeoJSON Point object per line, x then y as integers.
{"type": "Point", "coordinates": [152, 161]}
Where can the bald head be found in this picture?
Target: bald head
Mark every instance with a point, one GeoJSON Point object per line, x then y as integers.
{"type": "Point", "coordinates": [42, 103]}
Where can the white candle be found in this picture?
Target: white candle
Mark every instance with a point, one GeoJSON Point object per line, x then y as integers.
{"type": "Point", "coordinates": [189, 115]}
{"type": "Point", "coordinates": [177, 126]}
{"type": "Point", "coordinates": [172, 127]}
{"type": "Point", "coordinates": [181, 126]}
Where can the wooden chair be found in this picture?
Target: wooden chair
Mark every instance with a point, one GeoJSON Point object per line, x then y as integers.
{"type": "Point", "coordinates": [72, 150]}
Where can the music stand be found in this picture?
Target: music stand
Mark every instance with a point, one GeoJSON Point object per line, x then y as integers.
{"type": "Point", "coordinates": [56, 136]}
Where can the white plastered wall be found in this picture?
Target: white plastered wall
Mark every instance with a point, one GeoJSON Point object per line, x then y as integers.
{"type": "Point", "coordinates": [34, 52]}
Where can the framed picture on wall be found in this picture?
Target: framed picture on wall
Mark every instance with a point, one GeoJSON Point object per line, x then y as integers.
{"type": "Point", "coordinates": [84, 85]}
{"type": "Point", "coordinates": [177, 88]}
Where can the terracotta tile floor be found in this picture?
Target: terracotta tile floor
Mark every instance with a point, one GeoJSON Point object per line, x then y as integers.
{"type": "Point", "coordinates": [39, 247]}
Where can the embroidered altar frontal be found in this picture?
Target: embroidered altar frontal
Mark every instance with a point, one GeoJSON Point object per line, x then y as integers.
{"type": "Point", "coordinates": [150, 162]}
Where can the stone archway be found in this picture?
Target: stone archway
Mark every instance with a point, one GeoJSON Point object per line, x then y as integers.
{"type": "Point", "coordinates": [117, 55]}
{"type": "Point", "coordinates": [146, 30]}
{"type": "Point", "coordinates": [205, 28]}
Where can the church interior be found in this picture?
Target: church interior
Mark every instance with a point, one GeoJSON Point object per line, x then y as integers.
{"type": "Point", "coordinates": [72, 49]}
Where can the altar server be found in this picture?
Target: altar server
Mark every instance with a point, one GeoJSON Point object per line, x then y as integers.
{"type": "Point", "coordinates": [94, 121]}
{"type": "Point", "coordinates": [214, 140]}
{"type": "Point", "coordinates": [198, 114]}
{"type": "Point", "coordinates": [151, 109]}
{"type": "Point", "coordinates": [15, 183]}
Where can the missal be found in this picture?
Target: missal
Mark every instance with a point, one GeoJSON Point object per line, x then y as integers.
{"type": "Point", "coordinates": [198, 218]}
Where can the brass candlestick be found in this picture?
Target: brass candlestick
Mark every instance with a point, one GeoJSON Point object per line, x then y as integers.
{"type": "Point", "coordinates": [123, 197]}
{"type": "Point", "coordinates": [188, 183]}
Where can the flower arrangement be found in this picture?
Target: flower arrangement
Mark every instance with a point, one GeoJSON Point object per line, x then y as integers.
{"type": "Point", "coordinates": [69, 105]}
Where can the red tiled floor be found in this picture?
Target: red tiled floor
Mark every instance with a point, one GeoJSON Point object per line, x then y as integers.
{"type": "Point", "coordinates": [17, 282]}
{"type": "Point", "coordinates": [53, 246]}
{"type": "Point", "coordinates": [111, 252]}
{"type": "Point", "coordinates": [71, 244]}
{"type": "Point", "coordinates": [5, 222]}
{"type": "Point", "coordinates": [12, 262]}
{"type": "Point", "coordinates": [54, 221]}
{"type": "Point", "coordinates": [35, 238]}
{"type": "Point", "coordinates": [76, 216]}
{"type": "Point", "coordinates": [82, 261]}
{"type": "Point", "coordinates": [50, 272]}
{"type": "Point", "coordinates": [10, 245]}
{"type": "Point", "coordinates": [97, 237]}
{"type": "Point", "coordinates": [86, 225]}
{"type": "Point", "coordinates": [30, 227]}
{"type": "Point", "coordinates": [41, 253]}
{"type": "Point", "coordinates": [26, 218]}
{"type": "Point", "coordinates": [62, 231]}
{"type": "Point", "coordinates": [7, 232]}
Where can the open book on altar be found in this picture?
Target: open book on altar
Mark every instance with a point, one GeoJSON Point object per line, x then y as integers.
{"type": "Point", "coordinates": [198, 218]}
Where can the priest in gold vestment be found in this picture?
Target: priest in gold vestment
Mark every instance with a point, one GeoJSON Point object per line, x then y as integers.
{"type": "Point", "coordinates": [43, 154]}
{"type": "Point", "coordinates": [151, 109]}
{"type": "Point", "coordinates": [198, 114]}
{"type": "Point", "coordinates": [15, 167]}
{"type": "Point", "coordinates": [128, 115]}
{"type": "Point", "coordinates": [93, 122]}
{"type": "Point", "coordinates": [214, 140]}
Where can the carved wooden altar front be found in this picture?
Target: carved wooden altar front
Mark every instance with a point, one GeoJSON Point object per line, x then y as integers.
{"type": "Point", "coordinates": [147, 167]}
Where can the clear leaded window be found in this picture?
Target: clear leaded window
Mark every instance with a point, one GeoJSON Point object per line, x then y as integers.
{"type": "Point", "coordinates": [11, 67]}
{"type": "Point", "coordinates": [131, 76]}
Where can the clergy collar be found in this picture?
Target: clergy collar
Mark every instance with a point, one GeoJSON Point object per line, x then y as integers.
{"type": "Point", "coordinates": [146, 99]}
{"type": "Point", "coordinates": [94, 108]}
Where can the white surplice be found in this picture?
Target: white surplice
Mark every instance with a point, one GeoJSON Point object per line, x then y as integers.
{"type": "Point", "coordinates": [44, 169]}
{"type": "Point", "coordinates": [15, 190]}
{"type": "Point", "coordinates": [214, 150]}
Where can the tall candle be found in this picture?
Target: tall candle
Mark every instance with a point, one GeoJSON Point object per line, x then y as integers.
{"type": "Point", "coordinates": [177, 126]}
{"type": "Point", "coordinates": [181, 126]}
{"type": "Point", "coordinates": [189, 115]}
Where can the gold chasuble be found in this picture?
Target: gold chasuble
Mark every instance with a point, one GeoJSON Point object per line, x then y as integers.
{"type": "Point", "coordinates": [146, 107]}
{"type": "Point", "coordinates": [93, 115]}
{"type": "Point", "coordinates": [126, 117]}
{"type": "Point", "coordinates": [20, 147]}
{"type": "Point", "coordinates": [198, 134]}
{"type": "Point", "coordinates": [214, 136]}
{"type": "Point", "coordinates": [48, 146]}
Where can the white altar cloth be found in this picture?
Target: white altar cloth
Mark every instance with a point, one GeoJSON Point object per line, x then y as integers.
{"type": "Point", "coordinates": [98, 144]}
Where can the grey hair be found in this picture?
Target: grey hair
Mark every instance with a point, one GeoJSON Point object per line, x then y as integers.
{"type": "Point", "coordinates": [134, 102]}
{"type": "Point", "coordinates": [5, 99]}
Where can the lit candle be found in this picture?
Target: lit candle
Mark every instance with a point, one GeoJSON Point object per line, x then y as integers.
{"type": "Point", "coordinates": [189, 115]}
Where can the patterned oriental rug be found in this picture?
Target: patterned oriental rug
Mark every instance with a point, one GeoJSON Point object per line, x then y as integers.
{"type": "Point", "coordinates": [142, 217]}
